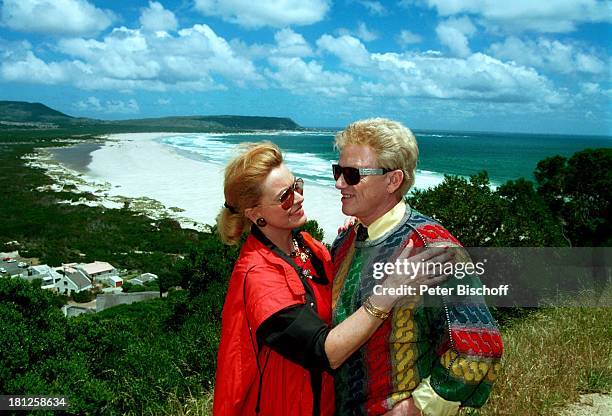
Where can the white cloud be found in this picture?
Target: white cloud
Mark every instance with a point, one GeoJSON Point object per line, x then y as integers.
{"type": "Point", "coordinates": [589, 63]}
{"type": "Point", "coordinates": [127, 59]}
{"type": "Point", "coordinates": [548, 54]}
{"type": "Point", "coordinates": [590, 88]}
{"type": "Point", "coordinates": [163, 101]}
{"type": "Point", "coordinates": [454, 33]}
{"type": "Point", "coordinates": [302, 77]}
{"type": "Point", "coordinates": [29, 68]}
{"type": "Point", "coordinates": [155, 17]}
{"type": "Point", "coordinates": [406, 38]}
{"type": "Point", "coordinates": [477, 78]}
{"type": "Point", "coordinates": [275, 13]}
{"type": "Point", "coordinates": [108, 107]}
{"type": "Point", "coordinates": [374, 7]}
{"type": "Point", "coordinates": [349, 49]}
{"type": "Point", "coordinates": [364, 33]}
{"type": "Point", "coordinates": [55, 17]}
{"type": "Point", "coordinates": [552, 16]}
{"type": "Point", "coordinates": [290, 43]}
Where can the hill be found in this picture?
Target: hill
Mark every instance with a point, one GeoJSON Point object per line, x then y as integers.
{"type": "Point", "coordinates": [23, 112]}
{"type": "Point", "coordinates": [23, 115]}
{"type": "Point", "coordinates": [216, 122]}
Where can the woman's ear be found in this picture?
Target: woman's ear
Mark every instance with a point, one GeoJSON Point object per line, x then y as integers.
{"type": "Point", "coordinates": [252, 214]}
{"type": "Point", "coordinates": [395, 180]}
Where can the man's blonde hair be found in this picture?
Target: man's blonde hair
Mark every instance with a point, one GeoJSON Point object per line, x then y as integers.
{"type": "Point", "coordinates": [394, 144]}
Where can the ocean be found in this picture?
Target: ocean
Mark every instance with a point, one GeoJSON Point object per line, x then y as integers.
{"type": "Point", "coordinates": [309, 154]}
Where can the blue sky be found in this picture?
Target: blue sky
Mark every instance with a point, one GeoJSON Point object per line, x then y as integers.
{"type": "Point", "coordinates": [485, 65]}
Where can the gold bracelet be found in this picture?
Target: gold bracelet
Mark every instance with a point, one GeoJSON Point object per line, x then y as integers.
{"type": "Point", "coordinates": [375, 311]}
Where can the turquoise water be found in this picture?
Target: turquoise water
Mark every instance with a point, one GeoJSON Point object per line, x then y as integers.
{"type": "Point", "coordinates": [310, 154]}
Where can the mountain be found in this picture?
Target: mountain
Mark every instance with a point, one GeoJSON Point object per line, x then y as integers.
{"type": "Point", "coordinates": [20, 114]}
{"type": "Point", "coordinates": [23, 112]}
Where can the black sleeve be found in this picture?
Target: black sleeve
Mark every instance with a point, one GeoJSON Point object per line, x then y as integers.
{"type": "Point", "coordinates": [298, 334]}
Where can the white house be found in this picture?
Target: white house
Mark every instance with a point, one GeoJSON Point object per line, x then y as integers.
{"type": "Point", "coordinates": [50, 277]}
{"type": "Point", "coordinates": [73, 280]}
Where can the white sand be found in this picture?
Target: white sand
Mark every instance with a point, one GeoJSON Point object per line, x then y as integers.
{"type": "Point", "coordinates": [137, 166]}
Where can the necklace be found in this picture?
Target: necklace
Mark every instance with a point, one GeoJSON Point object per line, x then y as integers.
{"type": "Point", "coordinates": [303, 252]}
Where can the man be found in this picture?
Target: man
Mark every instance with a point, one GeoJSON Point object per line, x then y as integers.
{"type": "Point", "coordinates": [432, 354]}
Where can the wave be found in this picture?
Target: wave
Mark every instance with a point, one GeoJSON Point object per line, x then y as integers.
{"type": "Point", "coordinates": [441, 135]}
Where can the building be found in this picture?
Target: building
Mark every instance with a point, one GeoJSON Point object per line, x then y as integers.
{"type": "Point", "coordinates": [144, 278]}
{"type": "Point", "coordinates": [147, 277]}
{"type": "Point", "coordinates": [114, 281]}
{"type": "Point", "coordinates": [74, 310]}
{"type": "Point", "coordinates": [73, 280]}
{"type": "Point", "coordinates": [49, 276]}
{"type": "Point", "coordinates": [98, 271]}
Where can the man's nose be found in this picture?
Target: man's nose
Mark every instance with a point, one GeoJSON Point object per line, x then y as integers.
{"type": "Point", "coordinates": [340, 183]}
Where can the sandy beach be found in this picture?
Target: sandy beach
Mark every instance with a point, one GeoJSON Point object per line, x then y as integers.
{"type": "Point", "coordinates": [138, 166]}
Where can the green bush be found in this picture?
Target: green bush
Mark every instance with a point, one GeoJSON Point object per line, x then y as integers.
{"type": "Point", "coordinates": [83, 296]}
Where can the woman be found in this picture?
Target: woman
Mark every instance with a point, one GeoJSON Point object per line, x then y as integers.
{"type": "Point", "coordinates": [277, 348]}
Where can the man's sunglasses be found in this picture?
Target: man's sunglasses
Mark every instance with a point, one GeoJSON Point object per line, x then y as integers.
{"type": "Point", "coordinates": [352, 176]}
{"type": "Point", "coordinates": [288, 196]}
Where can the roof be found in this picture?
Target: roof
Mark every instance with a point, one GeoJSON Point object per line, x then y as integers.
{"type": "Point", "coordinates": [147, 277]}
{"type": "Point", "coordinates": [116, 279]}
{"type": "Point", "coordinates": [41, 269]}
{"type": "Point", "coordinates": [79, 279]}
{"type": "Point", "coordinates": [96, 267]}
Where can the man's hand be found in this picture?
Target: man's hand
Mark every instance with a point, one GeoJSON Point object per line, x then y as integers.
{"type": "Point", "coordinates": [404, 408]}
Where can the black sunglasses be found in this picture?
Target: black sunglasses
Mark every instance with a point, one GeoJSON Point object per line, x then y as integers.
{"type": "Point", "coordinates": [352, 176]}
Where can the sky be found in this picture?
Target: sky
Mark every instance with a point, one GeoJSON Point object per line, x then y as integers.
{"type": "Point", "coordinates": [474, 65]}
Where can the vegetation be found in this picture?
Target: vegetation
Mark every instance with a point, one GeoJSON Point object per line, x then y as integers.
{"type": "Point", "coordinates": [514, 215]}
{"type": "Point", "coordinates": [159, 356]}
{"type": "Point", "coordinates": [19, 115]}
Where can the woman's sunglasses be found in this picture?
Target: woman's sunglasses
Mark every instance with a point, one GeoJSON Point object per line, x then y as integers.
{"type": "Point", "coordinates": [352, 176]}
{"type": "Point", "coordinates": [288, 196]}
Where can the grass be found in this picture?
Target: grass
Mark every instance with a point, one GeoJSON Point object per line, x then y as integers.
{"type": "Point", "coordinates": [193, 406]}
{"type": "Point", "coordinates": [550, 358]}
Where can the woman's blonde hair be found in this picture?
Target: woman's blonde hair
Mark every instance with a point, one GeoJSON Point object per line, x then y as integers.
{"type": "Point", "coordinates": [244, 176]}
{"type": "Point", "coordinates": [394, 144]}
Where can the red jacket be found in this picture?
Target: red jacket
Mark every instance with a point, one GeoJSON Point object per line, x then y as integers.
{"type": "Point", "coordinates": [271, 285]}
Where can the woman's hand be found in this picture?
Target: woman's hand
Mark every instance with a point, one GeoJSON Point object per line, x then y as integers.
{"type": "Point", "coordinates": [425, 268]}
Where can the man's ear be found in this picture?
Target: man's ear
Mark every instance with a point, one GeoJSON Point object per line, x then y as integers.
{"type": "Point", "coordinates": [395, 180]}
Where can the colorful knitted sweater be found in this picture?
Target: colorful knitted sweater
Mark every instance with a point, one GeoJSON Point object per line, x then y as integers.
{"type": "Point", "coordinates": [452, 340]}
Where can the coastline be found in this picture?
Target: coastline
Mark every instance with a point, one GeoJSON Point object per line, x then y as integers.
{"type": "Point", "coordinates": [76, 157]}
{"type": "Point", "coordinates": [137, 171]}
